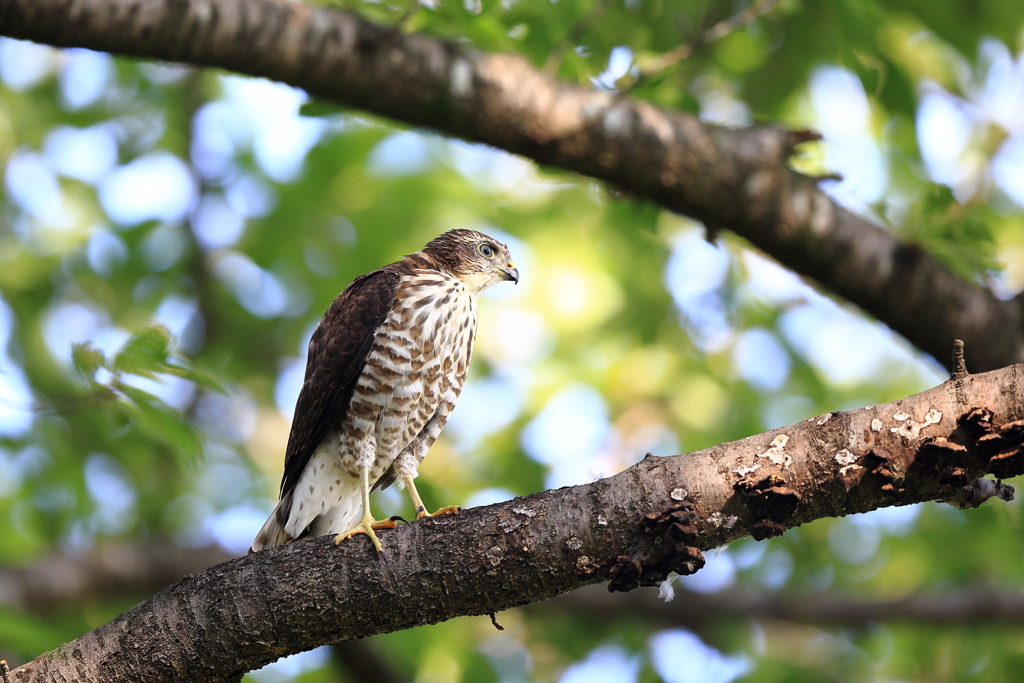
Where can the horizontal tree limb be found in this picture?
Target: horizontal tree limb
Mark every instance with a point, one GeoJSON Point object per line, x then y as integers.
{"type": "Point", "coordinates": [737, 179]}
{"type": "Point", "coordinates": [112, 569]}
{"type": "Point", "coordinates": [694, 610]}
{"type": "Point", "coordinates": [633, 529]}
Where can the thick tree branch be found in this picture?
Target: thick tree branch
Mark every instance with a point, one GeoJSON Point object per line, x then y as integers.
{"type": "Point", "coordinates": [633, 528]}
{"type": "Point", "coordinates": [734, 179]}
{"type": "Point", "coordinates": [119, 570]}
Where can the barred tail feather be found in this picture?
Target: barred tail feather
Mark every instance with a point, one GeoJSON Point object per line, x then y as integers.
{"type": "Point", "coordinates": [313, 509]}
{"type": "Point", "coordinates": [273, 531]}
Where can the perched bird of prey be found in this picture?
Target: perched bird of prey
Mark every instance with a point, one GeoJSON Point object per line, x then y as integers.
{"type": "Point", "coordinates": [385, 367]}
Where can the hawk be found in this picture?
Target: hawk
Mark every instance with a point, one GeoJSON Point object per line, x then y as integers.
{"type": "Point", "coordinates": [385, 367]}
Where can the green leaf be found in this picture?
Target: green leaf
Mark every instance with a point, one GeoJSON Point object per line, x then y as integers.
{"type": "Point", "coordinates": [162, 423]}
{"type": "Point", "coordinates": [959, 235]}
{"type": "Point", "coordinates": [87, 358]}
{"type": "Point", "coordinates": [145, 353]}
{"type": "Point", "coordinates": [319, 107]}
{"type": "Point", "coordinates": [203, 379]}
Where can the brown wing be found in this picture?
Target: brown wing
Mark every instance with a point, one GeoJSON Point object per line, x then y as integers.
{"type": "Point", "coordinates": [337, 354]}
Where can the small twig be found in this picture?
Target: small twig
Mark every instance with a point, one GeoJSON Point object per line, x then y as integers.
{"type": "Point", "coordinates": [716, 32]}
{"type": "Point", "coordinates": [494, 621]}
{"type": "Point", "coordinates": [959, 365]}
{"type": "Point", "coordinates": [798, 137]}
{"type": "Point", "coordinates": [711, 233]}
{"type": "Point", "coordinates": [805, 135]}
{"type": "Point", "coordinates": [6, 672]}
{"type": "Point", "coordinates": [407, 14]}
{"type": "Point", "coordinates": [554, 59]}
{"type": "Point", "coordinates": [724, 28]}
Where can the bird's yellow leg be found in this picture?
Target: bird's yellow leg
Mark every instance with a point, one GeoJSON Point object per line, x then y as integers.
{"type": "Point", "coordinates": [368, 523]}
{"type": "Point", "coordinates": [421, 511]}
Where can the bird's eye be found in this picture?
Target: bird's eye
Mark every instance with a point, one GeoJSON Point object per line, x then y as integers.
{"type": "Point", "coordinates": [486, 250]}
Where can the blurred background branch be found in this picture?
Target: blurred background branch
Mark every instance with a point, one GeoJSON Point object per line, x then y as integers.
{"type": "Point", "coordinates": [695, 610]}
{"type": "Point", "coordinates": [112, 570]}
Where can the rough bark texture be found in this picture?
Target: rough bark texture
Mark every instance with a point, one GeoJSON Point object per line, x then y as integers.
{"type": "Point", "coordinates": [632, 529]}
{"type": "Point", "coordinates": [733, 179]}
{"type": "Point", "coordinates": [121, 570]}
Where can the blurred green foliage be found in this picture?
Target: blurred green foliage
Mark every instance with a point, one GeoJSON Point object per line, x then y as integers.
{"type": "Point", "coordinates": [149, 361]}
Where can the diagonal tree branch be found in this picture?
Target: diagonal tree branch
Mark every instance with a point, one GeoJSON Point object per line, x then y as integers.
{"type": "Point", "coordinates": [119, 570]}
{"type": "Point", "coordinates": [632, 529]}
{"type": "Point", "coordinates": [728, 178]}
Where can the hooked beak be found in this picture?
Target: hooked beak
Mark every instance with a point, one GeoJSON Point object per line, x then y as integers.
{"type": "Point", "coordinates": [511, 272]}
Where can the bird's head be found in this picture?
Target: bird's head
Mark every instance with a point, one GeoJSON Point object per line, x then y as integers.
{"type": "Point", "coordinates": [474, 258]}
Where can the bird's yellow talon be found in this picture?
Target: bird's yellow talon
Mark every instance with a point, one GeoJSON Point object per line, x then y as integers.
{"type": "Point", "coordinates": [367, 526]}
{"type": "Point", "coordinates": [446, 510]}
